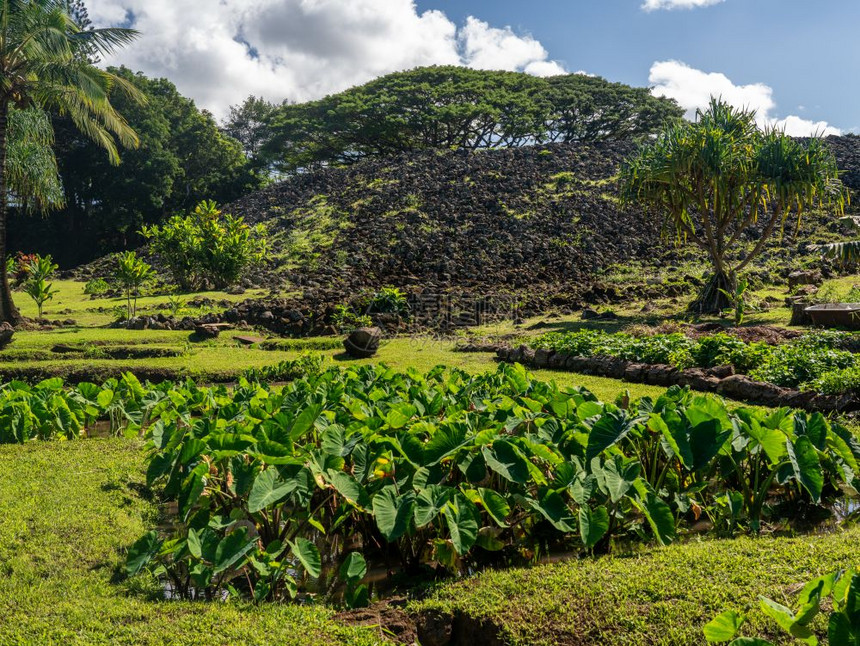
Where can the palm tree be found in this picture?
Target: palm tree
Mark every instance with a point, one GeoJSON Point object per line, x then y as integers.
{"type": "Point", "coordinates": [844, 252]}
{"type": "Point", "coordinates": [714, 179]}
{"type": "Point", "coordinates": [45, 65]}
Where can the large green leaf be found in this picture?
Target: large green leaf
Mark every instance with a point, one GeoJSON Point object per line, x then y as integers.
{"type": "Point", "coordinates": [463, 520]}
{"type": "Point", "coordinates": [444, 442]}
{"type": "Point", "coordinates": [308, 555]}
{"type": "Point", "coordinates": [506, 460]}
{"type": "Point", "coordinates": [618, 476]}
{"type": "Point", "coordinates": [706, 440]}
{"type": "Point", "coordinates": [657, 513]}
{"type": "Point", "coordinates": [496, 506]}
{"type": "Point", "coordinates": [192, 488]}
{"type": "Point", "coordinates": [305, 421]}
{"type": "Point", "coordinates": [593, 525]}
{"type": "Point", "coordinates": [553, 507]}
{"type": "Point", "coordinates": [393, 512]}
{"type": "Point", "coordinates": [429, 503]}
{"type": "Point", "coordinates": [675, 435]}
{"type": "Point", "coordinates": [399, 415]}
{"type": "Point", "coordinates": [142, 552]}
{"type": "Point", "coordinates": [723, 627]}
{"type": "Point", "coordinates": [787, 621]}
{"type": "Point", "coordinates": [806, 466]}
{"type": "Point", "coordinates": [353, 568]}
{"type": "Point", "coordinates": [232, 548]}
{"type": "Point", "coordinates": [772, 440]}
{"type": "Point", "coordinates": [268, 489]}
{"type": "Point", "coordinates": [348, 487]}
{"type": "Point", "coordinates": [606, 432]}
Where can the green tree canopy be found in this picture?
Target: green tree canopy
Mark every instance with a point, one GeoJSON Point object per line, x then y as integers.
{"type": "Point", "coordinates": [457, 107]}
{"type": "Point", "coordinates": [711, 180]}
{"type": "Point", "coordinates": [182, 159]}
{"type": "Point", "coordinates": [45, 64]}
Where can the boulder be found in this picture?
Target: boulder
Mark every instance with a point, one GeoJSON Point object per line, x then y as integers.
{"type": "Point", "coordinates": [797, 278]}
{"type": "Point", "coordinates": [6, 334]}
{"type": "Point", "coordinates": [206, 332]}
{"type": "Point", "coordinates": [743, 388]}
{"type": "Point", "coordinates": [363, 342]}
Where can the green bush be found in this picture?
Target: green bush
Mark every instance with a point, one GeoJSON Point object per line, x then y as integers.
{"type": "Point", "coordinates": [306, 365]}
{"type": "Point", "coordinates": [804, 360]}
{"type": "Point", "coordinates": [96, 287]}
{"type": "Point", "coordinates": [207, 247]}
{"type": "Point", "coordinates": [813, 361]}
{"type": "Point", "coordinates": [346, 319]}
{"type": "Point", "coordinates": [389, 300]}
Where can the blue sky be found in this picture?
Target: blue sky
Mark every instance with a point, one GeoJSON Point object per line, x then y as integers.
{"type": "Point", "coordinates": [795, 61]}
{"type": "Point", "coordinates": [808, 51]}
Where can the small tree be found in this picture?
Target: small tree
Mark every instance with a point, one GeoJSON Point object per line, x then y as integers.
{"type": "Point", "coordinates": [717, 177]}
{"type": "Point", "coordinates": [37, 287]}
{"type": "Point", "coordinates": [131, 274]}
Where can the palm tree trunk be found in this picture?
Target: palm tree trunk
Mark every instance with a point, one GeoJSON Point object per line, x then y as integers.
{"type": "Point", "coordinates": [8, 312]}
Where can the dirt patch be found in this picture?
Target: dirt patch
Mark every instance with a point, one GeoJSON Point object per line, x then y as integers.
{"type": "Point", "coordinates": [388, 617]}
{"type": "Point", "coordinates": [753, 334]}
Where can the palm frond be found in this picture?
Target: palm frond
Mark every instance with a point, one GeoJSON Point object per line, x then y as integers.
{"type": "Point", "coordinates": [848, 251]}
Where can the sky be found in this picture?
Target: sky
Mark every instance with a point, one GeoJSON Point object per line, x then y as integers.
{"type": "Point", "coordinates": [797, 62]}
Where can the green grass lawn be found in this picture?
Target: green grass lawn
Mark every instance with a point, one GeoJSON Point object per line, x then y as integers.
{"type": "Point", "coordinates": [659, 597]}
{"type": "Point", "coordinates": [70, 302]}
{"type": "Point", "coordinates": [68, 510]}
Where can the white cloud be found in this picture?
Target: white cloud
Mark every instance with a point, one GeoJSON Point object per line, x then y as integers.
{"type": "Point", "coordinates": [653, 5]}
{"type": "Point", "coordinates": [693, 88]}
{"type": "Point", "coordinates": [219, 52]}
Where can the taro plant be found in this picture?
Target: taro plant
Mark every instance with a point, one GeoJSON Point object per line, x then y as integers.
{"type": "Point", "coordinates": [837, 593]}
{"type": "Point", "coordinates": [455, 471]}
{"type": "Point", "coordinates": [132, 273]}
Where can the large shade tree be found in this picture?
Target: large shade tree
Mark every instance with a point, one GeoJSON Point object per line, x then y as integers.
{"type": "Point", "coordinates": [721, 176]}
{"type": "Point", "coordinates": [46, 64]}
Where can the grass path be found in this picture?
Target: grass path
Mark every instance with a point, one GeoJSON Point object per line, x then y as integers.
{"type": "Point", "coordinates": [67, 512]}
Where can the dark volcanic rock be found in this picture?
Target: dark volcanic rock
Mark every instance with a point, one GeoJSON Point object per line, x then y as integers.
{"type": "Point", "coordinates": [6, 334]}
{"type": "Point", "coordinates": [363, 342]}
{"type": "Point", "coordinates": [205, 331]}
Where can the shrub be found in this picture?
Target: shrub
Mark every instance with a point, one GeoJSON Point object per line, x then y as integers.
{"type": "Point", "coordinates": [207, 246]}
{"type": "Point", "coordinates": [38, 270]}
{"type": "Point", "coordinates": [804, 360]}
{"type": "Point", "coordinates": [812, 361]}
{"type": "Point", "coordinates": [345, 319]}
{"type": "Point", "coordinates": [306, 365]}
{"type": "Point", "coordinates": [96, 287]}
{"type": "Point", "coordinates": [389, 300]}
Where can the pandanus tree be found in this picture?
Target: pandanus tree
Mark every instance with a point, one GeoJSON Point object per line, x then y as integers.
{"type": "Point", "coordinates": [715, 179]}
{"type": "Point", "coordinates": [46, 64]}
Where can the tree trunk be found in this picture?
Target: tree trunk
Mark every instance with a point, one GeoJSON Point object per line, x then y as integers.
{"type": "Point", "coordinates": [713, 298]}
{"type": "Point", "coordinates": [8, 312]}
